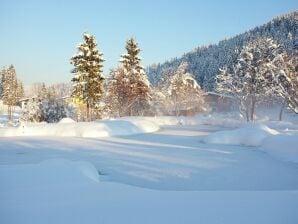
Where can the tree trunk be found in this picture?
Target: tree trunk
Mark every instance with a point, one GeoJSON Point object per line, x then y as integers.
{"type": "Point", "coordinates": [282, 109]}
{"type": "Point", "coordinates": [88, 111]}
{"type": "Point", "coordinates": [244, 107]}
{"type": "Point", "coordinates": [253, 105]}
{"type": "Point", "coordinates": [9, 112]}
{"type": "Point", "coordinates": [247, 114]}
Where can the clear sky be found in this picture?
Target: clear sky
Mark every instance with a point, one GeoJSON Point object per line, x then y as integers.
{"type": "Point", "coordinates": [39, 37]}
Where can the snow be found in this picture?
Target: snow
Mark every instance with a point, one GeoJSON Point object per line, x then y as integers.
{"type": "Point", "coordinates": [249, 135]}
{"type": "Point", "coordinates": [66, 120]}
{"type": "Point", "coordinates": [283, 147]}
{"type": "Point", "coordinates": [58, 192]}
{"type": "Point", "coordinates": [149, 170]}
{"type": "Point", "coordinates": [68, 127]}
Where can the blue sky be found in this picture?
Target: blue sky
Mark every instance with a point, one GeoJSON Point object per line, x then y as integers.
{"type": "Point", "coordinates": [39, 37]}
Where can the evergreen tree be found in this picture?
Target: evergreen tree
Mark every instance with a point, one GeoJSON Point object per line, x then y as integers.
{"type": "Point", "coordinates": [20, 90]}
{"type": "Point", "coordinates": [138, 86]}
{"type": "Point", "coordinates": [9, 90]}
{"type": "Point", "coordinates": [2, 73]}
{"type": "Point", "coordinates": [88, 74]}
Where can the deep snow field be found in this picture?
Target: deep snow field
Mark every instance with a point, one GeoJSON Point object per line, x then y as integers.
{"type": "Point", "coordinates": [204, 169]}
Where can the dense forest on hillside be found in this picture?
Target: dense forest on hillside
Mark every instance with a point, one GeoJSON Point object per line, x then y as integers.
{"type": "Point", "coordinates": [205, 61]}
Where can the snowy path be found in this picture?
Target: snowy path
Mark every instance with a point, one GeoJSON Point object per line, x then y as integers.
{"type": "Point", "coordinates": [164, 173]}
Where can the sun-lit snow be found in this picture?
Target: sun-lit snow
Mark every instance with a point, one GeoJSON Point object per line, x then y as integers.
{"type": "Point", "coordinates": [249, 135]}
{"type": "Point", "coordinates": [150, 170]}
{"type": "Point", "coordinates": [68, 127]}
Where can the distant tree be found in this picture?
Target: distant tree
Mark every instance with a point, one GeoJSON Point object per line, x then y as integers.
{"type": "Point", "coordinates": [119, 96]}
{"type": "Point", "coordinates": [20, 90]}
{"type": "Point", "coordinates": [2, 73]}
{"type": "Point", "coordinates": [138, 86]}
{"type": "Point", "coordinates": [32, 111]}
{"type": "Point", "coordinates": [88, 74]}
{"type": "Point", "coordinates": [11, 88]}
{"type": "Point", "coordinates": [184, 92]}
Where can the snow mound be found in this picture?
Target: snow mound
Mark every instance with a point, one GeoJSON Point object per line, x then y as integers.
{"type": "Point", "coordinates": [249, 135]}
{"type": "Point", "coordinates": [283, 147]}
{"type": "Point", "coordinates": [62, 168]}
{"type": "Point", "coordinates": [105, 128]}
{"type": "Point", "coordinates": [66, 120]}
{"type": "Point", "coordinates": [48, 173]}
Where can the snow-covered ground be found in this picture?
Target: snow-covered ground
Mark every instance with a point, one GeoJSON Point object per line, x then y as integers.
{"type": "Point", "coordinates": [165, 171]}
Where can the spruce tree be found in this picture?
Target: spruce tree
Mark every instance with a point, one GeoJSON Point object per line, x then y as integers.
{"type": "Point", "coordinates": [138, 92]}
{"type": "Point", "coordinates": [88, 74]}
{"type": "Point", "coordinates": [9, 90]}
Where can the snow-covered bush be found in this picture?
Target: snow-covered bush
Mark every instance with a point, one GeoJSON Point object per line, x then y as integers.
{"type": "Point", "coordinates": [32, 111]}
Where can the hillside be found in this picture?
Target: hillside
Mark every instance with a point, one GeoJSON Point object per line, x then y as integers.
{"type": "Point", "coordinates": [205, 61]}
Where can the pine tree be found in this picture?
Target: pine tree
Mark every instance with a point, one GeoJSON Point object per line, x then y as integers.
{"type": "Point", "coordinates": [20, 90]}
{"type": "Point", "coordinates": [88, 74]}
{"type": "Point", "coordinates": [9, 90]}
{"type": "Point", "coordinates": [138, 91]}
{"type": "Point", "coordinates": [2, 73]}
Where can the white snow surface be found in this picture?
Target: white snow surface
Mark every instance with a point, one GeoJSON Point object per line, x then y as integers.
{"type": "Point", "coordinates": [149, 170]}
{"type": "Point", "coordinates": [283, 147]}
{"type": "Point", "coordinates": [66, 120]}
{"type": "Point", "coordinates": [249, 135]}
{"type": "Point", "coordinates": [69, 128]}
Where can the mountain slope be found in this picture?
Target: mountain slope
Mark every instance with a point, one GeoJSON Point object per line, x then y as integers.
{"type": "Point", "coordinates": [205, 61]}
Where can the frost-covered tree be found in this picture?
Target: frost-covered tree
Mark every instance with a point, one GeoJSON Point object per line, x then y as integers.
{"type": "Point", "coordinates": [45, 105]}
{"type": "Point", "coordinates": [2, 73]}
{"type": "Point", "coordinates": [11, 89]}
{"type": "Point", "coordinates": [138, 86]}
{"type": "Point", "coordinates": [88, 74]}
{"type": "Point", "coordinates": [119, 96]}
{"type": "Point", "coordinates": [32, 111]}
{"type": "Point", "coordinates": [183, 92]}
{"type": "Point", "coordinates": [20, 90]}
{"type": "Point", "coordinates": [53, 108]}
{"type": "Point", "coordinates": [251, 78]}
{"type": "Point", "coordinates": [285, 85]}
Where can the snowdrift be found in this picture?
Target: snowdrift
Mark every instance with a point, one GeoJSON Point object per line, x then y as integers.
{"type": "Point", "coordinates": [280, 145]}
{"type": "Point", "coordinates": [283, 147]}
{"type": "Point", "coordinates": [47, 173]}
{"type": "Point", "coordinates": [70, 128]}
{"type": "Point", "coordinates": [249, 135]}
{"type": "Point", "coordinates": [115, 127]}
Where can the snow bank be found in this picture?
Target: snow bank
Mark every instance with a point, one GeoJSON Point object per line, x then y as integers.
{"type": "Point", "coordinates": [283, 147]}
{"type": "Point", "coordinates": [249, 135]}
{"type": "Point", "coordinates": [48, 172]}
{"type": "Point", "coordinates": [69, 128]}
{"type": "Point", "coordinates": [66, 120]}
{"type": "Point", "coordinates": [230, 120]}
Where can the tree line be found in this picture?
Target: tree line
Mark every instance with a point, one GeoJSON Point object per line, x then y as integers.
{"type": "Point", "coordinates": [127, 90]}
